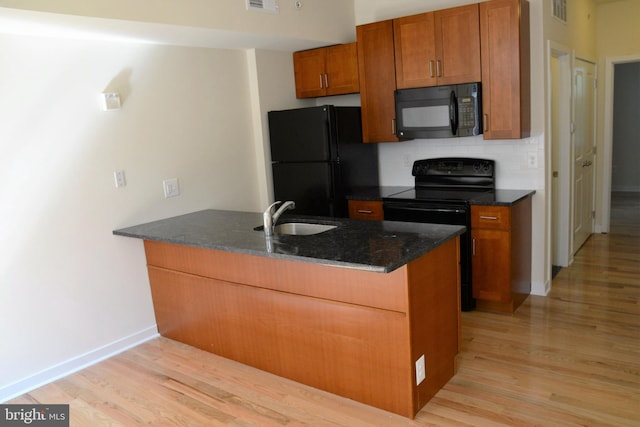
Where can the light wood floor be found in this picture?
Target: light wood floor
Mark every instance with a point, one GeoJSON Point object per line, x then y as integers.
{"type": "Point", "coordinates": [569, 359]}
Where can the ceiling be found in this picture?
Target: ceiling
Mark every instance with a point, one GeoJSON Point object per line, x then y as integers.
{"type": "Point", "coordinates": [15, 21]}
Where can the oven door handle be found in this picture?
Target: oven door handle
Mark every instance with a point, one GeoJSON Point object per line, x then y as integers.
{"type": "Point", "coordinates": [426, 210]}
{"type": "Point", "coordinates": [453, 112]}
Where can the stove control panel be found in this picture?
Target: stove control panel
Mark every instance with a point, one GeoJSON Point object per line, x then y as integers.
{"type": "Point", "coordinates": [454, 166]}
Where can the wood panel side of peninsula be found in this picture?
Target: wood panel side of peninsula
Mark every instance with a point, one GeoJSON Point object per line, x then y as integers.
{"type": "Point", "coordinates": [351, 332]}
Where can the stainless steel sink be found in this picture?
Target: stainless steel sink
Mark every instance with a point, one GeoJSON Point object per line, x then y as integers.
{"type": "Point", "coordinates": [299, 228]}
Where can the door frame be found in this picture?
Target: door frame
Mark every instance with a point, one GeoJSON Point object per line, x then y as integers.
{"type": "Point", "coordinates": [559, 246]}
{"type": "Point", "coordinates": [604, 225]}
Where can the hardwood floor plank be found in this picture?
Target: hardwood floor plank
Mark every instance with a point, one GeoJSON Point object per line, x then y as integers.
{"type": "Point", "coordinates": [569, 359]}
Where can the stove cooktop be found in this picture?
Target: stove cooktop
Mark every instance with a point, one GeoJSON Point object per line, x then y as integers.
{"type": "Point", "coordinates": [444, 195]}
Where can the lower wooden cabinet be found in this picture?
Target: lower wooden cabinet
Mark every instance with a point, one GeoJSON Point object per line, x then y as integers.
{"type": "Point", "coordinates": [366, 209]}
{"type": "Point", "coordinates": [501, 263]}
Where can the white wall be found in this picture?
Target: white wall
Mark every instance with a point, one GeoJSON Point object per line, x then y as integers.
{"type": "Point", "coordinates": [71, 292]}
{"type": "Point", "coordinates": [68, 285]}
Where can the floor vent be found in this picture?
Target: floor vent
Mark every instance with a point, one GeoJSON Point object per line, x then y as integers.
{"type": "Point", "coordinates": [559, 9]}
{"type": "Point", "coordinates": [270, 6]}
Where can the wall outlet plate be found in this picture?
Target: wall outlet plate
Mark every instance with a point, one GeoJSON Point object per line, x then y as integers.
{"type": "Point", "coordinates": [120, 178]}
{"type": "Point", "coordinates": [421, 370]}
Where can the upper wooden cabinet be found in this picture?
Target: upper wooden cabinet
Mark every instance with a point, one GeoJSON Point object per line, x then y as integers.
{"type": "Point", "coordinates": [438, 48]}
{"type": "Point", "coordinates": [377, 81]}
{"type": "Point", "coordinates": [504, 35]}
{"type": "Point", "coordinates": [326, 71]}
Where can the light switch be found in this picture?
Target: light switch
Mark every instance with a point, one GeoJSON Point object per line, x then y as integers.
{"type": "Point", "coordinates": [171, 188]}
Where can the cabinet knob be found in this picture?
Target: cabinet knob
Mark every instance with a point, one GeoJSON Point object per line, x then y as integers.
{"type": "Point", "coordinates": [431, 68]}
{"type": "Point", "coordinates": [320, 75]}
{"type": "Point", "coordinates": [326, 81]}
{"type": "Point", "coordinates": [438, 70]}
{"type": "Point", "coordinates": [365, 211]}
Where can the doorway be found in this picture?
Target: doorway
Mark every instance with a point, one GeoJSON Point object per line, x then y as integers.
{"type": "Point", "coordinates": [608, 140]}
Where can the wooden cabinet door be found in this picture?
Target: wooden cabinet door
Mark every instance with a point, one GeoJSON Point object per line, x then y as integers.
{"type": "Point", "coordinates": [366, 209]}
{"type": "Point", "coordinates": [491, 265]}
{"type": "Point", "coordinates": [504, 44]}
{"type": "Point", "coordinates": [342, 69]}
{"type": "Point", "coordinates": [376, 67]}
{"type": "Point", "coordinates": [415, 51]}
{"type": "Point", "coordinates": [438, 48]}
{"type": "Point", "coordinates": [309, 69]}
{"type": "Point", "coordinates": [457, 34]}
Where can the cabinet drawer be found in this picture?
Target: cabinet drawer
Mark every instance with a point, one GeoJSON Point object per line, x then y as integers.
{"type": "Point", "coordinates": [491, 217]}
{"type": "Point", "coordinates": [366, 209]}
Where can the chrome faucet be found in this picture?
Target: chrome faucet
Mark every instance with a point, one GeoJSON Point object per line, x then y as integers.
{"type": "Point", "coordinates": [269, 218]}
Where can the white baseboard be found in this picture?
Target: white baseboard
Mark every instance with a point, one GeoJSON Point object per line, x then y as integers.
{"type": "Point", "coordinates": [11, 391]}
{"type": "Point", "coordinates": [541, 289]}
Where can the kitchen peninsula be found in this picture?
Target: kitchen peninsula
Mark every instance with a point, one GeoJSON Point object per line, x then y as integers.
{"type": "Point", "coordinates": [369, 310]}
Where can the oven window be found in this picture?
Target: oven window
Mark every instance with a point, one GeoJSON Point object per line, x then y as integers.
{"type": "Point", "coordinates": [425, 117]}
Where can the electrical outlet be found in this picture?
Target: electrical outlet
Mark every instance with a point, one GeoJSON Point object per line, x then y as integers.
{"type": "Point", "coordinates": [406, 159]}
{"type": "Point", "coordinates": [120, 178]}
{"type": "Point", "coordinates": [421, 371]}
{"type": "Point", "coordinates": [171, 187]}
{"type": "Point", "coordinates": [532, 159]}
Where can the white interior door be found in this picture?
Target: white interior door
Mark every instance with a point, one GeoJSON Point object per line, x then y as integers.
{"type": "Point", "coordinates": [583, 151]}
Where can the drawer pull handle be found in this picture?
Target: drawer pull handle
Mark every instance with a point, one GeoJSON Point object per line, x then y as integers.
{"type": "Point", "coordinates": [364, 211]}
{"type": "Point", "coordinates": [490, 218]}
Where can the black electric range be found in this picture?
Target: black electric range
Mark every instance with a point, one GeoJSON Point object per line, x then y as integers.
{"type": "Point", "coordinates": [444, 189]}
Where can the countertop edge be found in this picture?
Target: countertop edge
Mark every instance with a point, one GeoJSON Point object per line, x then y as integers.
{"type": "Point", "coordinates": [154, 231]}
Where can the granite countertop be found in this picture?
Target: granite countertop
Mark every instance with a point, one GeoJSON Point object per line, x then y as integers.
{"type": "Point", "coordinates": [497, 197]}
{"type": "Point", "coordinates": [503, 198]}
{"type": "Point", "coordinates": [374, 193]}
{"type": "Point", "coordinates": [378, 246]}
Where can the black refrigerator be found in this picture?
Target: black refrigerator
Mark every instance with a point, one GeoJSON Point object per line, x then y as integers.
{"type": "Point", "coordinates": [318, 158]}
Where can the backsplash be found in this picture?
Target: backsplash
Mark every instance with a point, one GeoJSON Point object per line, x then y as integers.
{"type": "Point", "coordinates": [512, 159]}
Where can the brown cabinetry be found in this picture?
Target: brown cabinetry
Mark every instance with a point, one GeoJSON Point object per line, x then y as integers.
{"type": "Point", "coordinates": [504, 44]}
{"type": "Point", "coordinates": [501, 263]}
{"type": "Point", "coordinates": [352, 332]}
{"type": "Point", "coordinates": [438, 48]}
{"type": "Point", "coordinates": [326, 71]}
{"type": "Point", "coordinates": [366, 209]}
{"type": "Point", "coordinates": [377, 72]}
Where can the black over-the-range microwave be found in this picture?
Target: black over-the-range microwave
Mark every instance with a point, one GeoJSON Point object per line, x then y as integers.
{"type": "Point", "coordinates": [439, 111]}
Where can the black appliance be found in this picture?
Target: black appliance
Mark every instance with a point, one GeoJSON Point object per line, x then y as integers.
{"type": "Point", "coordinates": [318, 157]}
{"type": "Point", "coordinates": [444, 188]}
{"type": "Point", "coordinates": [439, 111]}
